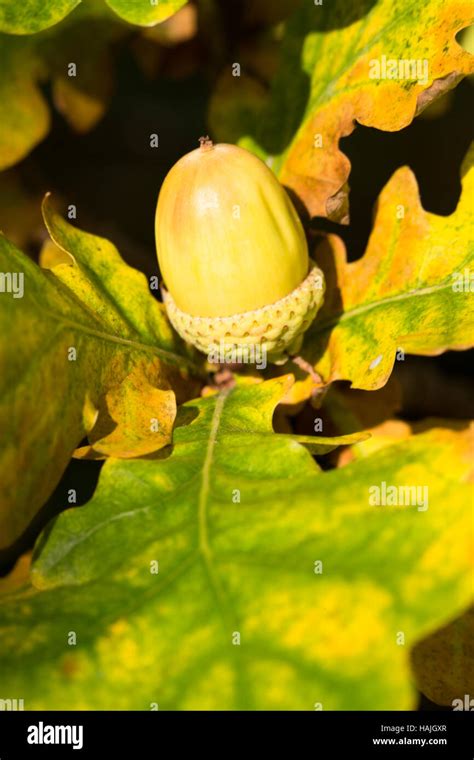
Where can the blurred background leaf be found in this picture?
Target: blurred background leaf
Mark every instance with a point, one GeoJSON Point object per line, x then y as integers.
{"type": "Point", "coordinates": [145, 12]}
{"type": "Point", "coordinates": [31, 16]}
{"type": "Point", "coordinates": [83, 40]}
{"type": "Point", "coordinates": [443, 663]}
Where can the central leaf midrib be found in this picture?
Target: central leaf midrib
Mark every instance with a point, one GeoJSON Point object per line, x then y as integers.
{"type": "Point", "coordinates": [204, 546]}
{"type": "Point", "coordinates": [205, 550]}
{"type": "Point", "coordinates": [99, 333]}
{"type": "Point", "coordinates": [130, 343]}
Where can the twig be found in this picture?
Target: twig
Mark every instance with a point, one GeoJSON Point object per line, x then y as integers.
{"type": "Point", "coordinates": [320, 391]}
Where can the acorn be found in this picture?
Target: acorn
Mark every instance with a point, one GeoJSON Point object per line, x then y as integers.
{"type": "Point", "coordinates": [233, 255]}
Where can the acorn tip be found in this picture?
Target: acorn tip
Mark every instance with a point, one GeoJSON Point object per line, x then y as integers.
{"type": "Point", "coordinates": [205, 143]}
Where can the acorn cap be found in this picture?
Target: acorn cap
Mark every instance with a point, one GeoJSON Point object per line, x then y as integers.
{"type": "Point", "coordinates": [228, 237]}
{"type": "Point", "coordinates": [277, 328]}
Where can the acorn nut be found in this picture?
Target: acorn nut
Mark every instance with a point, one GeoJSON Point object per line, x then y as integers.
{"type": "Point", "coordinates": [233, 255]}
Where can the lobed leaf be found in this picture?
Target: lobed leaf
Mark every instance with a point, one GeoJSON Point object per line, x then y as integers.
{"type": "Point", "coordinates": [67, 345]}
{"type": "Point", "coordinates": [189, 580]}
{"type": "Point", "coordinates": [324, 87]}
{"type": "Point", "coordinates": [411, 290]}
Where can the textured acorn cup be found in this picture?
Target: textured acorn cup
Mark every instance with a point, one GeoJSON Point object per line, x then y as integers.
{"type": "Point", "coordinates": [233, 254]}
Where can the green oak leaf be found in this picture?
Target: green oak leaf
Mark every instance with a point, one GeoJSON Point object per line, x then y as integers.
{"type": "Point", "coordinates": [191, 580]}
{"type": "Point", "coordinates": [327, 83]}
{"type": "Point", "coordinates": [77, 333]}
{"type": "Point", "coordinates": [411, 291]}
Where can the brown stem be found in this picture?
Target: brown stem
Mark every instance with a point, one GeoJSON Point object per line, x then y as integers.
{"type": "Point", "coordinates": [308, 368]}
{"type": "Point", "coordinates": [319, 392]}
{"type": "Point", "coordinates": [205, 143]}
